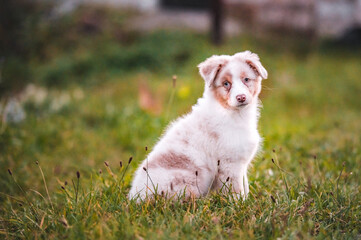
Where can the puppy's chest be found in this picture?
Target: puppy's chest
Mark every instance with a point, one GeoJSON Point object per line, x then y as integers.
{"type": "Point", "coordinates": [238, 143]}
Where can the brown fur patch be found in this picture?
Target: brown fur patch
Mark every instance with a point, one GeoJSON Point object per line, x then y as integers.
{"type": "Point", "coordinates": [172, 160]}
{"type": "Point", "coordinates": [207, 130]}
{"type": "Point", "coordinates": [251, 65]}
{"type": "Point", "coordinates": [255, 88]}
{"type": "Point", "coordinates": [212, 63]}
{"type": "Point", "coordinates": [213, 135]}
{"type": "Point", "coordinates": [221, 97]}
{"type": "Point", "coordinates": [185, 141]}
{"type": "Point", "coordinates": [217, 72]}
{"type": "Point", "coordinates": [243, 75]}
{"type": "Point", "coordinates": [252, 85]}
{"type": "Point", "coordinates": [184, 181]}
{"type": "Point", "coordinates": [227, 77]}
{"type": "Point", "coordinates": [220, 93]}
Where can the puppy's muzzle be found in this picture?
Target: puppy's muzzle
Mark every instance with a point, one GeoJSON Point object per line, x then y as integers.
{"type": "Point", "coordinates": [241, 98]}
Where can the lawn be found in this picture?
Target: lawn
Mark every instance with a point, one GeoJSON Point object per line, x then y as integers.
{"type": "Point", "coordinates": [66, 168]}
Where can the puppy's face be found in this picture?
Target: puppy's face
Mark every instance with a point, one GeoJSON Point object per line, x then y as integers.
{"type": "Point", "coordinates": [236, 85]}
{"type": "Point", "coordinates": [235, 81]}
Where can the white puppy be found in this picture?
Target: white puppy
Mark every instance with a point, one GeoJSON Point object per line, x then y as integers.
{"type": "Point", "coordinates": [212, 146]}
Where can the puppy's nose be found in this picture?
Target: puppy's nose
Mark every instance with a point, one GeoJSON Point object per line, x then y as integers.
{"type": "Point", "coordinates": [241, 98]}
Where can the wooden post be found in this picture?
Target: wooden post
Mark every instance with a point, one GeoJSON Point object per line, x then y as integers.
{"type": "Point", "coordinates": [216, 12]}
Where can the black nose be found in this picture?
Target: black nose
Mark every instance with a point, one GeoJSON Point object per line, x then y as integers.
{"type": "Point", "coordinates": [241, 98]}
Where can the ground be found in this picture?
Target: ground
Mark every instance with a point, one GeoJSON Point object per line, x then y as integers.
{"type": "Point", "coordinates": [66, 167]}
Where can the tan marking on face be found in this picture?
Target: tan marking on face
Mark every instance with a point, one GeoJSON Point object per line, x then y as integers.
{"type": "Point", "coordinates": [221, 98]}
{"type": "Point", "coordinates": [172, 160]}
{"type": "Point", "coordinates": [243, 75]}
{"type": "Point", "coordinates": [221, 94]}
{"type": "Point", "coordinates": [227, 77]}
{"type": "Point", "coordinates": [255, 88]}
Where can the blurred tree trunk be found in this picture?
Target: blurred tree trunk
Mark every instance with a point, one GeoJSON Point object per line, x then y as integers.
{"type": "Point", "coordinates": [217, 19]}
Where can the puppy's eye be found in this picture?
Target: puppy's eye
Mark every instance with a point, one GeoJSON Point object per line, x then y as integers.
{"type": "Point", "coordinates": [227, 84]}
{"type": "Point", "coordinates": [246, 79]}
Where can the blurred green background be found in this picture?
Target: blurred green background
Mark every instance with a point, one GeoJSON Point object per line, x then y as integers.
{"type": "Point", "coordinates": [84, 87]}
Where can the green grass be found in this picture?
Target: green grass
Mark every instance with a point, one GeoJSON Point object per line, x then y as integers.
{"type": "Point", "coordinates": [310, 123]}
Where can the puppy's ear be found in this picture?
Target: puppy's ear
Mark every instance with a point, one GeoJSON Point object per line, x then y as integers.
{"type": "Point", "coordinates": [252, 60]}
{"type": "Point", "coordinates": [210, 68]}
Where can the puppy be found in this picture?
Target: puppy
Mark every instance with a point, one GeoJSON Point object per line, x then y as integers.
{"type": "Point", "coordinates": [211, 147]}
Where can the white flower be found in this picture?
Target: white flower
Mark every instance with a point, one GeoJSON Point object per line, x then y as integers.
{"type": "Point", "coordinates": [59, 102]}
{"type": "Point", "coordinates": [13, 111]}
{"type": "Point", "coordinates": [35, 94]}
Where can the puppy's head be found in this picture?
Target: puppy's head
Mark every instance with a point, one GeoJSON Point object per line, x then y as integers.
{"type": "Point", "coordinates": [234, 81]}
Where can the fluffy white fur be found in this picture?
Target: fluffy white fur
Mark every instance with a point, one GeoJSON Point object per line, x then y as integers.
{"type": "Point", "coordinates": [213, 145]}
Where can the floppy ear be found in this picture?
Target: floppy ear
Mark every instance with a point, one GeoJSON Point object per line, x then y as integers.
{"type": "Point", "coordinates": [210, 68]}
{"type": "Point", "coordinates": [252, 60]}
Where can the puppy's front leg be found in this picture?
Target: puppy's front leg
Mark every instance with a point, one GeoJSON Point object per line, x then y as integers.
{"type": "Point", "coordinates": [231, 178]}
